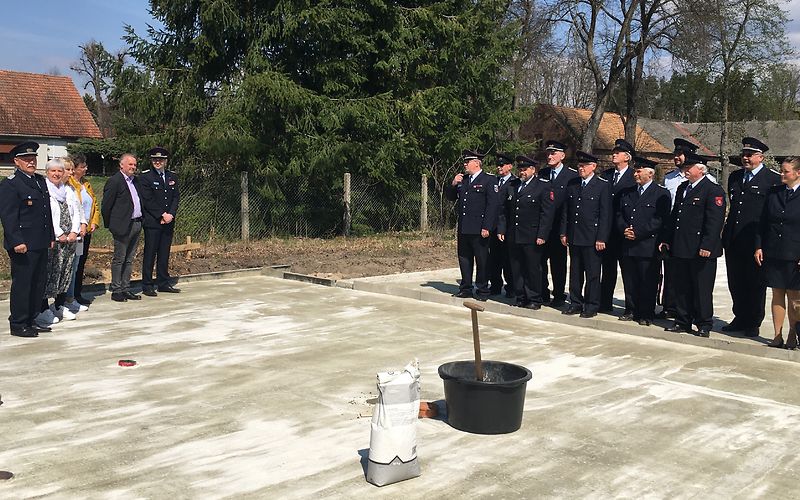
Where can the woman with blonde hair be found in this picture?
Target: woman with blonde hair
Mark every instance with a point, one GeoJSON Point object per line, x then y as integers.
{"type": "Point", "coordinates": [91, 215]}
{"type": "Point", "coordinates": [778, 251]}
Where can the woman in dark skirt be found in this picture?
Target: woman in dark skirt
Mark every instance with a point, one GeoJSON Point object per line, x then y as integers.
{"type": "Point", "coordinates": [778, 251]}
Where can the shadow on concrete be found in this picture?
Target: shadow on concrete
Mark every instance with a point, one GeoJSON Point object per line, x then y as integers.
{"type": "Point", "coordinates": [364, 454]}
{"type": "Point", "coordinates": [441, 286]}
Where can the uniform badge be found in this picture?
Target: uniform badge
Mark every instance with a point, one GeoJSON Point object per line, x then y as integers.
{"type": "Point", "coordinates": [171, 183]}
{"type": "Point", "coordinates": [496, 189]}
{"type": "Point", "coordinates": [29, 202]}
{"type": "Point", "coordinates": [552, 197]}
{"type": "Point", "coordinates": [718, 200]}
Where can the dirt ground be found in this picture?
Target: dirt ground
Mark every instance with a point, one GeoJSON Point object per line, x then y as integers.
{"type": "Point", "coordinates": [331, 258]}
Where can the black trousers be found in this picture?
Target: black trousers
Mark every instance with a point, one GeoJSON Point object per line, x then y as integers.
{"type": "Point", "coordinates": [500, 266]}
{"type": "Point", "coordinates": [28, 281]}
{"type": "Point", "coordinates": [584, 266]}
{"type": "Point", "coordinates": [694, 290]}
{"type": "Point", "coordinates": [526, 267]}
{"type": "Point", "coordinates": [474, 250]}
{"type": "Point", "coordinates": [747, 286]}
{"type": "Point", "coordinates": [640, 278]}
{"type": "Point", "coordinates": [87, 240]}
{"type": "Point", "coordinates": [157, 243]}
{"type": "Point", "coordinates": [612, 258]}
{"type": "Point", "coordinates": [556, 254]}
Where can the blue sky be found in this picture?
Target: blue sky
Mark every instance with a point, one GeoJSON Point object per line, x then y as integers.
{"type": "Point", "coordinates": [49, 31]}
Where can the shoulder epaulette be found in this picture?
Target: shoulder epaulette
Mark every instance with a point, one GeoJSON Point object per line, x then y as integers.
{"type": "Point", "coordinates": [604, 180]}
{"type": "Point", "coordinates": [12, 175]}
{"type": "Point", "coordinates": [543, 180]}
{"type": "Point", "coordinates": [570, 168]}
{"type": "Point", "coordinates": [145, 171]}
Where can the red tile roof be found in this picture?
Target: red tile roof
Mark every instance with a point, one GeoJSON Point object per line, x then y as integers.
{"type": "Point", "coordinates": [611, 128]}
{"type": "Point", "coordinates": [43, 105]}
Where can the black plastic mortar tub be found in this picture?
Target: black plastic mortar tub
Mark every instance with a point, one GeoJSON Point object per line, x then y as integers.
{"type": "Point", "coordinates": [490, 406]}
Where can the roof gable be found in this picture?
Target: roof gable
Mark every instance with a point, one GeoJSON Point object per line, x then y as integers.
{"type": "Point", "coordinates": [38, 105]}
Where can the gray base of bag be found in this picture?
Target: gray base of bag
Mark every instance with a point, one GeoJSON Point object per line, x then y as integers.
{"type": "Point", "coordinates": [393, 436]}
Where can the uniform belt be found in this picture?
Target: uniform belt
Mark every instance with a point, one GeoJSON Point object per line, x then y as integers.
{"type": "Point", "coordinates": [137, 219]}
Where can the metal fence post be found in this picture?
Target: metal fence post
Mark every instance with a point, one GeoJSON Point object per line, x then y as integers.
{"type": "Point", "coordinates": [423, 209]}
{"type": "Point", "coordinates": [347, 215]}
{"type": "Point", "coordinates": [245, 208]}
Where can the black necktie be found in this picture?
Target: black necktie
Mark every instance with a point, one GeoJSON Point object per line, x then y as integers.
{"type": "Point", "coordinates": [748, 177]}
{"type": "Point", "coordinates": [789, 193]}
{"type": "Point", "coordinates": [616, 176]}
{"type": "Point", "coordinates": [641, 190]}
{"type": "Point", "coordinates": [502, 181]}
{"type": "Point", "coordinates": [688, 188]}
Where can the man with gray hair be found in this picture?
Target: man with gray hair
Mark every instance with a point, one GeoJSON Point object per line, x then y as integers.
{"type": "Point", "coordinates": [643, 211]}
{"type": "Point", "coordinates": [693, 238]}
{"type": "Point", "coordinates": [122, 215]}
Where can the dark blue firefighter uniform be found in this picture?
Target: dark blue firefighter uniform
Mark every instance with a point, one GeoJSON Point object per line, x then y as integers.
{"type": "Point", "coordinates": [527, 215]}
{"type": "Point", "coordinates": [586, 220]}
{"type": "Point", "coordinates": [646, 214]}
{"type": "Point", "coordinates": [159, 195]}
{"type": "Point", "coordinates": [499, 254]}
{"type": "Point", "coordinates": [477, 209]}
{"type": "Point", "coordinates": [745, 280]}
{"type": "Point", "coordinates": [555, 254]}
{"type": "Point", "coordinates": [612, 255]}
{"type": "Point", "coordinates": [25, 214]}
{"type": "Point", "coordinates": [696, 223]}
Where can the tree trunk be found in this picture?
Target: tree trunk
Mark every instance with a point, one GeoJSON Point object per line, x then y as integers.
{"type": "Point", "coordinates": [723, 136]}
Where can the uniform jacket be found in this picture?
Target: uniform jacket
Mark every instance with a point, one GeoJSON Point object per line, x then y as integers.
{"type": "Point", "coordinates": [779, 229]}
{"type": "Point", "coordinates": [528, 214]}
{"type": "Point", "coordinates": [25, 212]}
{"type": "Point", "coordinates": [477, 203]}
{"type": "Point", "coordinates": [696, 220]}
{"type": "Point", "coordinates": [117, 205]}
{"type": "Point", "coordinates": [675, 178]}
{"type": "Point", "coordinates": [625, 182]}
{"type": "Point", "coordinates": [647, 214]}
{"type": "Point", "coordinates": [502, 194]}
{"type": "Point", "coordinates": [559, 188]}
{"type": "Point", "coordinates": [747, 205]}
{"type": "Point", "coordinates": [158, 197]}
{"type": "Point", "coordinates": [587, 215]}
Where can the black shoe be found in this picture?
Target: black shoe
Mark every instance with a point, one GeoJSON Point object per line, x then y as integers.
{"type": "Point", "coordinates": [520, 303]}
{"type": "Point", "coordinates": [511, 295]}
{"type": "Point", "coordinates": [463, 294]}
{"type": "Point", "coordinates": [570, 311]}
{"type": "Point", "coordinates": [791, 342]}
{"type": "Point", "coordinates": [704, 332]}
{"type": "Point", "coordinates": [132, 296]}
{"type": "Point", "coordinates": [495, 292]}
{"type": "Point", "coordinates": [666, 315]}
{"type": "Point", "coordinates": [644, 322]}
{"type": "Point", "coordinates": [26, 332]}
{"type": "Point", "coordinates": [531, 305]}
{"type": "Point", "coordinates": [777, 342]}
{"type": "Point", "coordinates": [588, 314]}
{"type": "Point", "coordinates": [733, 326]}
{"type": "Point", "coordinates": [482, 298]}
{"type": "Point", "coordinates": [38, 328]}
{"type": "Point", "coordinates": [83, 301]}
{"type": "Point", "coordinates": [678, 329]}
{"type": "Point", "coordinates": [119, 297]}
{"type": "Point", "coordinates": [606, 310]}
{"type": "Point", "coordinates": [626, 317]}
{"type": "Point", "coordinates": [751, 332]}
{"type": "Point", "coordinates": [149, 292]}
{"type": "Point", "coordinates": [169, 289]}
{"type": "Point", "coordinates": [557, 303]}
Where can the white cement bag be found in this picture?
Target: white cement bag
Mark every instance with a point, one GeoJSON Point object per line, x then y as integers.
{"type": "Point", "coordinates": [393, 436]}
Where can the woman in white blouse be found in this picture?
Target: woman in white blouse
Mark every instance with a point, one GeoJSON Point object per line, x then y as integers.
{"type": "Point", "coordinates": [65, 210]}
